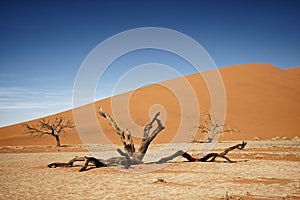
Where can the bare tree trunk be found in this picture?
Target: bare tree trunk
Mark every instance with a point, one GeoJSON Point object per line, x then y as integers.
{"type": "Point", "coordinates": [57, 140]}
{"type": "Point", "coordinates": [129, 148]}
{"type": "Point", "coordinates": [148, 138]}
{"type": "Point", "coordinates": [136, 157]}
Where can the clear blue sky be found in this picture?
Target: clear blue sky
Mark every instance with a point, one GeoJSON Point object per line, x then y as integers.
{"type": "Point", "coordinates": [43, 43]}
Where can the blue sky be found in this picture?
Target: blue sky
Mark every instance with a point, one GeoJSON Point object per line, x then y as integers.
{"type": "Point", "coordinates": [43, 43]}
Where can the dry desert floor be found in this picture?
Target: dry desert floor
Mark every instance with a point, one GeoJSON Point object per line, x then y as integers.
{"type": "Point", "coordinates": [265, 170]}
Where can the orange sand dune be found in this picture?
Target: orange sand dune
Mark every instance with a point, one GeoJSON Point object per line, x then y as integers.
{"type": "Point", "coordinates": [261, 100]}
{"type": "Point", "coordinates": [294, 71]}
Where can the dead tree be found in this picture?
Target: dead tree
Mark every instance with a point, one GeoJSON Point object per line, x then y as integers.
{"type": "Point", "coordinates": [133, 157]}
{"type": "Point", "coordinates": [49, 127]}
{"type": "Point", "coordinates": [212, 128]}
{"type": "Point", "coordinates": [126, 161]}
{"type": "Point", "coordinates": [136, 156]}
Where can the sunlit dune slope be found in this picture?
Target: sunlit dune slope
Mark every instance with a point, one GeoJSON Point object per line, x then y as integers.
{"type": "Point", "coordinates": [261, 101]}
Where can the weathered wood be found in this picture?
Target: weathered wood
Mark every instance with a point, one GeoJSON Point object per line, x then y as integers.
{"type": "Point", "coordinates": [238, 146]}
{"type": "Point", "coordinates": [68, 164]}
{"type": "Point", "coordinates": [207, 158]}
{"type": "Point", "coordinates": [148, 137]}
{"type": "Point", "coordinates": [166, 159]}
{"type": "Point", "coordinates": [96, 162]}
{"type": "Point", "coordinates": [127, 161]}
{"type": "Point", "coordinates": [128, 145]}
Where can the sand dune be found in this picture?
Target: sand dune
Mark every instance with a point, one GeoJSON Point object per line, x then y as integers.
{"type": "Point", "coordinates": [261, 100]}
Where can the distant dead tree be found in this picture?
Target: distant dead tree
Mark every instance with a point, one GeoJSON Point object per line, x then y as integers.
{"type": "Point", "coordinates": [212, 128]}
{"type": "Point", "coordinates": [52, 127]}
{"type": "Point", "coordinates": [133, 157]}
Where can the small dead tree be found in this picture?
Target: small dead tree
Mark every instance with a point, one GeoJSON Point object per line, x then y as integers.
{"type": "Point", "coordinates": [49, 127]}
{"type": "Point", "coordinates": [212, 128]}
{"type": "Point", "coordinates": [133, 157]}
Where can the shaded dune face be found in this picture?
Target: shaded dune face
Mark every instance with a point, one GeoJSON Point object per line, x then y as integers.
{"type": "Point", "coordinates": [261, 101]}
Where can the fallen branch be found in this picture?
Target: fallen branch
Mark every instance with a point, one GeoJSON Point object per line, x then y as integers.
{"type": "Point", "coordinates": [96, 163]}
{"type": "Point", "coordinates": [207, 158]}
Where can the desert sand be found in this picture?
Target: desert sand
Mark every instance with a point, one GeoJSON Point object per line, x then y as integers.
{"type": "Point", "coordinates": [265, 170]}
